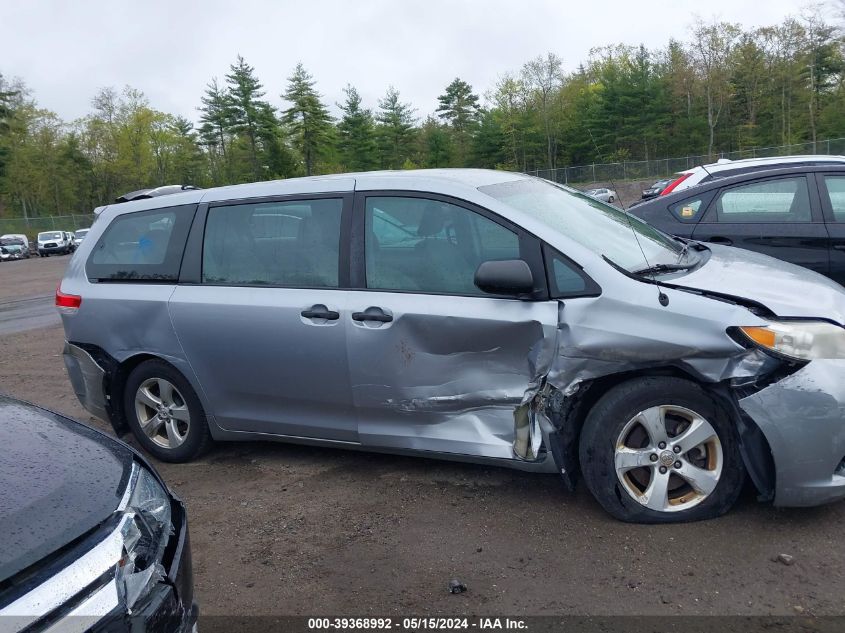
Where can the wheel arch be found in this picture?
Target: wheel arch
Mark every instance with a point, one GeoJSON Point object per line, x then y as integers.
{"type": "Point", "coordinates": [117, 373]}
{"type": "Point", "coordinates": [569, 414]}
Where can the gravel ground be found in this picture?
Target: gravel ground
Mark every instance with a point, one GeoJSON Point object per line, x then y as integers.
{"type": "Point", "coordinates": [281, 530]}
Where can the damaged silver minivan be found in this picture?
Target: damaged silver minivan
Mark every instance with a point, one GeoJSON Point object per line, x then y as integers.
{"type": "Point", "coordinates": [472, 315]}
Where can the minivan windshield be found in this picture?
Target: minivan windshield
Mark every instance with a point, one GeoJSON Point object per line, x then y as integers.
{"type": "Point", "coordinates": [600, 227]}
{"type": "Point", "coordinates": [53, 235]}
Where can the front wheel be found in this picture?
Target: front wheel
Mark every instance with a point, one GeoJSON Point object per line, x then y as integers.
{"type": "Point", "coordinates": [164, 413]}
{"type": "Point", "coordinates": [611, 199]}
{"type": "Point", "coordinates": [660, 450]}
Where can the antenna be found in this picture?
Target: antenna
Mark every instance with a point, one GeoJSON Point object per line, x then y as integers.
{"type": "Point", "coordinates": [661, 297]}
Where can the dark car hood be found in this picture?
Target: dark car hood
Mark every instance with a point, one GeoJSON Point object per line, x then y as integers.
{"type": "Point", "coordinates": [58, 480]}
{"type": "Point", "coordinates": [786, 289]}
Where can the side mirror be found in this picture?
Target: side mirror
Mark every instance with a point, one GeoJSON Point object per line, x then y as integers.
{"type": "Point", "coordinates": [505, 277]}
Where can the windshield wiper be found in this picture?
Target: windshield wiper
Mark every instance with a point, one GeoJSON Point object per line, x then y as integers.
{"type": "Point", "coordinates": [663, 268]}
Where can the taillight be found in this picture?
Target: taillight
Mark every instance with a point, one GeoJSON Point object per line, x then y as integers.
{"type": "Point", "coordinates": [675, 183]}
{"type": "Point", "coordinates": [66, 302]}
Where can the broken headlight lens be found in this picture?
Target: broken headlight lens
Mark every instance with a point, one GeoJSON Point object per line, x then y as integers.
{"type": "Point", "coordinates": [801, 340]}
{"type": "Point", "coordinates": [146, 529]}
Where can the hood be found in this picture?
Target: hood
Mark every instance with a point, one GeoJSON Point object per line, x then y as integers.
{"type": "Point", "coordinates": [785, 289]}
{"type": "Point", "coordinates": [58, 480]}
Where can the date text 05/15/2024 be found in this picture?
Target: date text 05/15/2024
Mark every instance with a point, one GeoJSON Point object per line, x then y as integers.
{"type": "Point", "coordinates": [416, 624]}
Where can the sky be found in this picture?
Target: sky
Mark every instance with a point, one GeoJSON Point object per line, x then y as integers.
{"type": "Point", "coordinates": [66, 51]}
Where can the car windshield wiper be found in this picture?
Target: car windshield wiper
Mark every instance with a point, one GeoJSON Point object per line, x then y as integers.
{"type": "Point", "coordinates": [663, 268]}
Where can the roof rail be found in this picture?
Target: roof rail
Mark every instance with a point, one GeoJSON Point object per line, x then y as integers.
{"type": "Point", "coordinates": [165, 190]}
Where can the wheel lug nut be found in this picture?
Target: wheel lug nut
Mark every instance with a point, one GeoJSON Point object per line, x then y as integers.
{"type": "Point", "coordinates": [677, 449]}
{"type": "Point", "coordinates": [663, 470]}
{"type": "Point", "coordinates": [677, 464]}
{"type": "Point", "coordinates": [653, 457]}
{"type": "Point", "coordinates": [661, 445]}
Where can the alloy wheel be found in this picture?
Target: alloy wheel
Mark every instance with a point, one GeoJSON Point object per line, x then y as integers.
{"type": "Point", "coordinates": [162, 412]}
{"type": "Point", "coordinates": [668, 458]}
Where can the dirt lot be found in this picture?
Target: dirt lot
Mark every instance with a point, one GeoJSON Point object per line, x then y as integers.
{"type": "Point", "coordinates": [280, 529]}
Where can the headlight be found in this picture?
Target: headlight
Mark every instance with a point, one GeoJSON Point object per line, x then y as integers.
{"type": "Point", "coordinates": [145, 528]}
{"type": "Point", "coordinates": [801, 340]}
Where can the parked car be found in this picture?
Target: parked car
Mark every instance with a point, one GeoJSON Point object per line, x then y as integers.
{"type": "Point", "coordinates": [12, 248]}
{"type": "Point", "coordinates": [78, 236]}
{"type": "Point", "coordinates": [71, 240]}
{"type": "Point", "coordinates": [605, 195]}
{"type": "Point", "coordinates": [92, 537]}
{"type": "Point", "coordinates": [796, 214]}
{"type": "Point", "coordinates": [656, 189]}
{"type": "Point", "coordinates": [53, 243]}
{"type": "Point", "coordinates": [20, 236]}
{"type": "Point", "coordinates": [473, 315]}
{"type": "Point", "coordinates": [725, 168]}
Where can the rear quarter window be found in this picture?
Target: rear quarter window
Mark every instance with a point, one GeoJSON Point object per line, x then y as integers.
{"type": "Point", "coordinates": [689, 210]}
{"type": "Point", "coordinates": [142, 246]}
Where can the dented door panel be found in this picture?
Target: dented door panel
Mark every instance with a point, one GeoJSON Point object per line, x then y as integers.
{"type": "Point", "coordinates": [446, 374]}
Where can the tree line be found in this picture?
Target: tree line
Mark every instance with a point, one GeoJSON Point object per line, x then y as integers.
{"type": "Point", "coordinates": [722, 89]}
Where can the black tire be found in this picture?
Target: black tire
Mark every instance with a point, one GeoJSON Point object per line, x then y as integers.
{"type": "Point", "coordinates": [197, 439]}
{"type": "Point", "coordinates": [611, 199]}
{"type": "Point", "coordinates": [606, 422]}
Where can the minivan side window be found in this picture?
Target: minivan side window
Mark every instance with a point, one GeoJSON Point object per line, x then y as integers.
{"type": "Point", "coordinates": [290, 243]}
{"type": "Point", "coordinates": [777, 200]}
{"type": "Point", "coordinates": [424, 245]}
{"type": "Point", "coordinates": [142, 246]}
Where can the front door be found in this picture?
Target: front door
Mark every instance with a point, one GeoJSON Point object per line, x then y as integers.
{"type": "Point", "coordinates": [435, 364]}
{"type": "Point", "coordinates": [263, 328]}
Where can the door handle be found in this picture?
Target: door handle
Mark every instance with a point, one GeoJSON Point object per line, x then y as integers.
{"type": "Point", "coordinates": [320, 312]}
{"type": "Point", "coordinates": [380, 316]}
{"type": "Point", "coordinates": [718, 239]}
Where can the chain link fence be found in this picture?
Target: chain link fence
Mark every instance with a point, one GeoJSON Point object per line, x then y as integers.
{"type": "Point", "coordinates": [662, 167]}
{"type": "Point", "coordinates": [32, 226]}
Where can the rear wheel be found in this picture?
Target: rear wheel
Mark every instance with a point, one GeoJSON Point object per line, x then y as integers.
{"type": "Point", "coordinates": [659, 450]}
{"type": "Point", "coordinates": [164, 413]}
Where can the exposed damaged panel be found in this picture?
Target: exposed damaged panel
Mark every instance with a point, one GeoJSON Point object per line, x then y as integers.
{"type": "Point", "coordinates": [601, 336]}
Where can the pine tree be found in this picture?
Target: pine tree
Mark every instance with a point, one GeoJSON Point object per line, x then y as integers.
{"type": "Point", "coordinates": [308, 119]}
{"type": "Point", "coordinates": [7, 111]}
{"type": "Point", "coordinates": [435, 144]}
{"type": "Point", "coordinates": [357, 142]}
{"type": "Point", "coordinates": [251, 117]}
{"type": "Point", "coordinates": [489, 145]}
{"type": "Point", "coordinates": [215, 126]}
{"type": "Point", "coordinates": [395, 130]}
{"type": "Point", "coordinates": [459, 107]}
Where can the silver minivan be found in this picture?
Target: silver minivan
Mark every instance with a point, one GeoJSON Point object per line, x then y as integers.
{"type": "Point", "coordinates": [472, 315]}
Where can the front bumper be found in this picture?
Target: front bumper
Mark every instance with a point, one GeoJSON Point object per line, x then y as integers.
{"type": "Point", "coordinates": [803, 419]}
{"type": "Point", "coordinates": [87, 379]}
